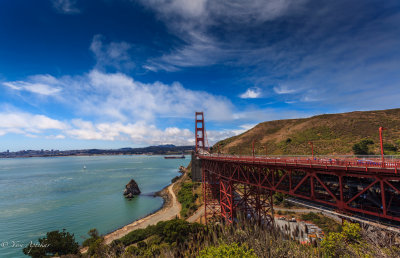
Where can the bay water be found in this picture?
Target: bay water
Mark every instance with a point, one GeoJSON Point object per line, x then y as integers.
{"type": "Point", "coordinates": [38, 195]}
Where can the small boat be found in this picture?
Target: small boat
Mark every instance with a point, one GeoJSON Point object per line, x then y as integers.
{"type": "Point", "coordinates": [84, 167]}
{"type": "Point", "coordinates": [175, 157]}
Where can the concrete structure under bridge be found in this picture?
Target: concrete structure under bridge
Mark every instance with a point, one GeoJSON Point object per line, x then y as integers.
{"type": "Point", "coordinates": [350, 185]}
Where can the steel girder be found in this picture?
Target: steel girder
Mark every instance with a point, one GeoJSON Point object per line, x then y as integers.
{"type": "Point", "coordinates": [372, 193]}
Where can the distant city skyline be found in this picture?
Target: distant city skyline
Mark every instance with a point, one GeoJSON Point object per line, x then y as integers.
{"type": "Point", "coordinates": [106, 74]}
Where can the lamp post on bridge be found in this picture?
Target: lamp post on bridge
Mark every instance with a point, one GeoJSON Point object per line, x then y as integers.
{"type": "Point", "coordinates": [381, 141]}
{"type": "Point", "coordinates": [253, 148]}
{"type": "Point", "coordinates": [312, 149]}
{"type": "Point", "coordinates": [266, 153]}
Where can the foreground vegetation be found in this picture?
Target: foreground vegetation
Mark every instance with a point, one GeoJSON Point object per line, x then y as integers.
{"type": "Point", "coordinates": [179, 238]}
{"type": "Point", "coordinates": [188, 193]}
{"type": "Point", "coordinates": [187, 199]}
{"type": "Point", "coordinates": [326, 224]}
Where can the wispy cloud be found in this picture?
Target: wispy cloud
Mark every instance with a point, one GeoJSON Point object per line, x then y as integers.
{"type": "Point", "coordinates": [66, 6]}
{"type": "Point", "coordinates": [283, 89]}
{"type": "Point", "coordinates": [330, 54]}
{"type": "Point", "coordinates": [251, 93]}
{"type": "Point", "coordinates": [194, 21]}
{"type": "Point", "coordinates": [118, 97]}
{"type": "Point", "coordinates": [40, 84]}
{"type": "Point", "coordinates": [114, 54]}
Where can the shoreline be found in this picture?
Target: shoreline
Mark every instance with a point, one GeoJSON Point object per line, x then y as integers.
{"type": "Point", "coordinates": [126, 229]}
{"type": "Point", "coordinates": [155, 194]}
{"type": "Point", "coordinates": [167, 211]}
{"type": "Point", "coordinates": [86, 155]}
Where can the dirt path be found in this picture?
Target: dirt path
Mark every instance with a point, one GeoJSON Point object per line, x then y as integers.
{"type": "Point", "coordinates": [170, 211]}
{"type": "Point", "coordinates": [197, 215]}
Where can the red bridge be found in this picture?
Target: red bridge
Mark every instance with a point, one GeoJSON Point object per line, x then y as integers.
{"type": "Point", "coordinates": [231, 183]}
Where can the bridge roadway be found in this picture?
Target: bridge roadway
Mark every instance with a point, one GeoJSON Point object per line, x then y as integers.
{"type": "Point", "coordinates": [350, 185]}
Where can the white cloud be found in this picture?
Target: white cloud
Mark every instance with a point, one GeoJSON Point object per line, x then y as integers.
{"type": "Point", "coordinates": [27, 124]}
{"type": "Point", "coordinates": [58, 136]}
{"type": "Point", "coordinates": [193, 20]}
{"type": "Point", "coordinates": [118, 97]}
{"type": "Point", "coordinates": [138, 133]}
{"type": "Point", "coordinates": [251, 93]}
{"type": "Point", "coordinates": [114, 54]}
{"type": "Point", "coordinates": [199, 50]}
{"type": "Point", "coordinates": [66, 6]}
{"type": "Point", "coordinates": [213, 136]}
{"type": "Point", "coordinates": [283, 89]}
{"type": "Point", "coordinates": [39, 84]}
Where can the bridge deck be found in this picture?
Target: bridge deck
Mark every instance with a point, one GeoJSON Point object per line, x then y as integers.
{"type": "Point", "coordinates": [366, 165]}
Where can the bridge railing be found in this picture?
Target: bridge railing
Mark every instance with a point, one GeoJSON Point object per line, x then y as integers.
{"type": "Point", "coordinates": [370, 161]}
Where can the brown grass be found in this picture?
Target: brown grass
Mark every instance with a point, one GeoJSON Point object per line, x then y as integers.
{"type": "Point", "coordinates": [330, 133]}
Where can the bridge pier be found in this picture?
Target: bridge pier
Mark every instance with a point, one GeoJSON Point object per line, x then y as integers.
{"type": "Point", "coordinates": [196, 168]}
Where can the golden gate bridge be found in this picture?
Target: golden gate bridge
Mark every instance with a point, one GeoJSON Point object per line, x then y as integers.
{"type": "Point", "coordinates": [349, 185]}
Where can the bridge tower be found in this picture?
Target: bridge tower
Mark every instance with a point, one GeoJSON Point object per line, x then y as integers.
{"type": "Point", "coordinates": [199, 131]}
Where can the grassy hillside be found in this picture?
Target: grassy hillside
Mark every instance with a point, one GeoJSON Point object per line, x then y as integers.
{"type": "Point", "coordinates": [331, 134]}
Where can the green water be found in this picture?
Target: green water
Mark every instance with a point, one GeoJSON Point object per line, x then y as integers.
{"type": "Point", "coordinates": [38, 195]}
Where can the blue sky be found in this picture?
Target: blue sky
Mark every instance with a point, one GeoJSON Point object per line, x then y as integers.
{"type": "Point", "coordinates": [108, 74]}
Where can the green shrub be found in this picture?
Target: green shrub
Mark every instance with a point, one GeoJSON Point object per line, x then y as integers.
{"type": "Point", "coordinates": [137, 235]}
{"type": "Point", "coordinates": [389, 147]}
{"type": "Point", "coordinates": [94, 235]}
{"type": "Point", "coordinates": [187, 199]}
{"type": "Point", "coordinates": [55, 243]}
{"type": "Point", "coordinates": [326, 224]}
{"type": "Point", "coordinates": [361, 148]}
{"type": "Point", "coordinates": [175, 179]}
{"type": "Point", "coordinates": [336, 244]}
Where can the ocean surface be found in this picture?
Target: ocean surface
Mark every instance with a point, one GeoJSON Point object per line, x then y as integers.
{"type": "Point", "coordinates": [38, 195]}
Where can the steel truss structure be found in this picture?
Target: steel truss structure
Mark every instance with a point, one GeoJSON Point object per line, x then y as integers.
{"type": "Point", "coordinates": [233, 184]}
{"type": "Point", "coordinates": [247, 183]}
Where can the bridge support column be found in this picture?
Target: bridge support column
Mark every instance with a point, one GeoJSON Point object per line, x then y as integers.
{"type": "Point", "coordinates": [226, 200]}
{"type": "Point", "coordinates": [211, 196]}
{"type": "Point", "coordinates": [255, 202]}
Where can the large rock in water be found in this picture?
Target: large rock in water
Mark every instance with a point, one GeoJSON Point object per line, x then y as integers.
{"type": "Point", "coordinates": [131, 189]}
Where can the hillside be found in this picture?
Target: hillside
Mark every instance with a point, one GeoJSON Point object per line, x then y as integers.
{"type": "Point", "coordinates": [330, 134]}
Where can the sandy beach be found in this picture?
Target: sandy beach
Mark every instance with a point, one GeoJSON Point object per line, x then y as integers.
{"type": "Point", "coordinates": [170, 210]}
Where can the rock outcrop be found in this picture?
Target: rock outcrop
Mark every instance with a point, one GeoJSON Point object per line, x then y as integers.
{"type": "Point", "coordinates": [131, 189]}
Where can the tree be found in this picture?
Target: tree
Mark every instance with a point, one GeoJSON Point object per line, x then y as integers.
{"type": "Point", "coordinates": [94, 235]}
{"type": "Point", "coordinates": [361, 148]}
{"type": "Point", "coordinates": [389, 147]}
{"type": "Point", "coordinates": [55, 243]}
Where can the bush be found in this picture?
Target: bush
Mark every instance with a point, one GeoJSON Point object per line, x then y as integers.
{"type": "Point", "coordinates": [187, 199]}
{"type": "Point", "coordinates": [137, 235]}
{"type": "Point", "coordinates": [55, 243]}
{"type": "Point", "coordinates": [94, 235]}
{"type": "Point", "coordinates": [170, 231]}
{"type": "Point", "coordinates": [175, 179]}
{"type": "Point", "coordinates": [389, 147]}
{"type": "Point", "coordinates": [335, 244]}
{"type": "Point", "coordinates": [326, 224]}
{"type": "Point", "coordinates": [361, 148]}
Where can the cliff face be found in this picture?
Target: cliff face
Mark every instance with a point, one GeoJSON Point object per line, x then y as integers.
{"type": "Point", "coordinates": [131, 189]}
{"type": "Point", "coordinates": [330, 134]}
